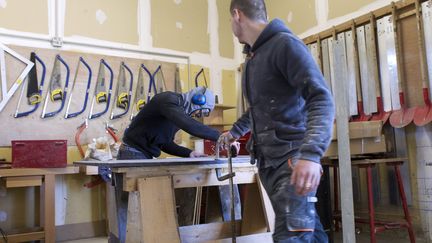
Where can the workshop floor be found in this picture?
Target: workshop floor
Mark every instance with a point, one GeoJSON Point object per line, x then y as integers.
{"type": "Point", "coordinates": [363, 237]}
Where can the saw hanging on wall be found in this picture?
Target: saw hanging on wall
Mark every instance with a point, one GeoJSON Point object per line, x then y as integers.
{"type": "Point", "coordinates": [34, 91]}
{"type": "Point", "coordinates": [75, 114]}
{"type": "Point", "coordinates": [57, 92]}
{"type": "Point", "coordinates": [101, 95]}
{"type": "Point", "coordinates": [6, 94]}
{"type": "Point", "coordinates": [159, 80]}
{"type": "Point", "coordinates": [123, 94]}
{"type": "Point", "coordinates": [140, 101]}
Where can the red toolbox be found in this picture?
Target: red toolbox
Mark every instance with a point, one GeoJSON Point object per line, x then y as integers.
{"type": "Point", "coordinates": [39, 153]}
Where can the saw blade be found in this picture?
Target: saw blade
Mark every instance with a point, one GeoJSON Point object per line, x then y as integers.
{"type": "Point", "coordinates": [55, 82]}
{"type": "Point", "coordinates": [100, 90]}
{"type": "Point", "coordinates": [140, 92]}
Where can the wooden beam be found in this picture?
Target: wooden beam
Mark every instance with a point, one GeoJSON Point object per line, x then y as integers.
{"type": "Point", "coordinates": [158, 215]}
{"type": "Point", "coordinates": [25, 237]}
{"type": "Point", "coordinates": [203, 178]}
{"type": "Point", "coordinates": [23, 181]}
{"type": "Point", "coordinates": [48, 208]}
{"type": "Point", "coordinates": [267, 206]}
{"type": "Point", "coordinates": [206, 232]}
{"type": "Point", "coordinates": [38, 171]}
{"type": "Point", "coordinates": [257, 238]}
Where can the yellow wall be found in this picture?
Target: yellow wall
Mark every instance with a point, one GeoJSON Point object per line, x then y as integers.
{"type": "Point", "coordinates": [31, 18]}
{"type": "Point", "coordinates": [298, 15]}
{"type": "Point", "coordinates": [180, 25]}
{"type": "Point", "coordinates": [226, 47]}
{"type": "Point", "coordinates": [111, 20]}
{"type": "Point", "coordinates": [339, 8]}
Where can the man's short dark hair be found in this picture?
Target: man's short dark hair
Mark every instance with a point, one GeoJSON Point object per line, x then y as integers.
{"type": "Point", "coordinates": [253, 9]}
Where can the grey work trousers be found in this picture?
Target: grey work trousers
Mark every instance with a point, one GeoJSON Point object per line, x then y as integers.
{"type": "Point", "coordinates": [296, 217]}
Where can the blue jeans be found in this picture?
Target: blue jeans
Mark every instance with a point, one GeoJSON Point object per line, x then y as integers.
{"type": "Point", "coordinates": [296, 217]}
{"type": "Point", "coordinates": [125, 153]}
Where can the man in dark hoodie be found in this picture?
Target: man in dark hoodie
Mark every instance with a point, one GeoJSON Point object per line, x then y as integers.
{"type": "Point", "coordinates": [153, 131]}
{"type": "Point", "coordinates": [290, 117]}
{"type": "Point", "coordinates": [155, 126]}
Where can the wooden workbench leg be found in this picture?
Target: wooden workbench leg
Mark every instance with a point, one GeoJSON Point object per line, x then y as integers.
{"type": "Point", "coordinates": [133, 227]}
{"type": "Point", "coordinates": [48, 208]}
{"type": "Point", "coordinates": [157, 206]}
{"type": "Point", "coordinates": [111, 212]}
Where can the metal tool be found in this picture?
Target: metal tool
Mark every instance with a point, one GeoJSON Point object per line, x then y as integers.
{"type": "Point", "coordinates": [361, 71]}
{"type": "Point", "coordinates": [326, 62]}
{"type": "Point", "coordinates": [100, 95]}
{"type": "Point", "coordinates": [201, 72]}
{"type": "Point", "coordinates": [351, 55]}
{"type": "Point", "coordinates": [152, 86]}
{"type": "Point", "coordinates": [56, 91]}
{"type": "Point", "coordinates": [386, 85]}
{"type": "Point", "coordinates": [159, 80]}
{"type": "Point", "coordinates": [123, 95]}
{"type": "Point", "coordinates": [6, 94]}
{"type": "Point", "coordinates": [229, 176]}
{"type": "Point", "coordinates": [140, 100]}
{"type": "Point", "coordinates": [33, 98]}
{"type": "Point", "coordinates": [177, 82]}
{"type": "Point", "coordinates": [421, 116]}
{"type": "Point", "coordinates": [75, 114]}
{"type": "Point", "coordinates": [404, 116]}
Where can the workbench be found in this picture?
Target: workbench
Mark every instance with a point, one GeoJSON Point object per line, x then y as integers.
{"type": "Point", "coordinates": [151, 209]}
{"type": "Point", "coordinates": [45, 178]}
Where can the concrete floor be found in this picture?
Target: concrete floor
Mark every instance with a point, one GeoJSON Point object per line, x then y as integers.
{"type": "Point", "coordinates": [397, 236]}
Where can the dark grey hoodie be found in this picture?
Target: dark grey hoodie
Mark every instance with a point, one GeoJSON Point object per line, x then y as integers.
{"type": "Point", "coordinates": [291, 110]}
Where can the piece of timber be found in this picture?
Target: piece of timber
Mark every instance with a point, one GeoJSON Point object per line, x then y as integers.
{"type": "Point", "coordinates": [23, 181]}
{"type": "Point", "coordinates": [210, 161]}
{"type": "Point", "coordinates": [38, 171]}
{"type": "Point", "coordinates": [191, 177]}
{"type": "Point", "coordinates": [206, 232]}
{"type": "Point", "coordinates": [256, 238]}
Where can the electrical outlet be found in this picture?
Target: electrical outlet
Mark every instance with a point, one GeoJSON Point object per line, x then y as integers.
{"type": "Point", "coordinates": [3, 216]}
{"type": "Point", "coordinates": [57, 42]}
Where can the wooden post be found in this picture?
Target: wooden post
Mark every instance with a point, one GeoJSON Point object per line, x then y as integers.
{"type": "Point", "coordinates": [343, 140]}
{"type": "Point", "coordinates": [48, 208]}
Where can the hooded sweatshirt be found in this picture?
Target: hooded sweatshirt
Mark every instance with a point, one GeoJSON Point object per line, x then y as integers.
{"type": "Point", "coordinates": [154, 127]}
{"type": "Point", "coordinates": [291, 109]}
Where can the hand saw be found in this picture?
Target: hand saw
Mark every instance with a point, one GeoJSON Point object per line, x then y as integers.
{"type": "Point", "coordinates": [56, 91]}
{"type": "Point", "coordinates": [101, 93]}
{"type": "Point", "coordinates": [123, 94]}
{"type": "Point", "coordinates": [33, 100]}
{"type": "Point", "coordinates": [122, 91]}
{"type": "Point", "coordinates": [140, 92]}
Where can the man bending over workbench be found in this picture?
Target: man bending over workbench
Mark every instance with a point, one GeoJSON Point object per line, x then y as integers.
{"type": "Point", "coordinates": [153, 131]}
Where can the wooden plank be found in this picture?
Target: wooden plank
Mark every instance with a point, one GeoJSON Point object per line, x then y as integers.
{"type": "Point", "coordinates": [158, 215]}
{"type": "Point", "coordinates": [111, 210]}
{"type": "Point", "coordinates": [133, 227]}
{"type": "Point", "coordinates": [254, 220]}
{"type": "Point", "coordinates": [366, 129]}
{"type": "Point", "coordinates": [23, 181]}
{"type": "Point", "coordinates": [360, 146]}
{"type": "Point", "coordinates": [38, 171]}
{"type": "Point", "coordinates": [48, 208]}
{"type": "Point", "coordinates": [257, 238]}
{"type": "Point", "coordinates": [205, 161]}
{"type": "Point", "coordinates": [203, 178]}
{"type": "Point", "coordinates": [25, 237]}
{"type": "Point", "coordinates": [89, 170]}
{"type": "Point", "coordinates": [206, 232]}
{"type": "Point", "coordinates": [267, 206]}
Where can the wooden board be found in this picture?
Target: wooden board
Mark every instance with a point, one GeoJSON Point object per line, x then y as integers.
{"type": "Point", "coordinates": [165, 162]}
{"type": "Point", "coordinates": [205, 232]}
{"type": "Point", "coordinates": [58, 127]}
{"type": "Point", "coordinates": [133, 226]}
{"type": "Point", "coordinates": [37, 171]}
{"type": "Point", "coordinates": [48, 208]}
{"type": "Point", "coordinates": [158, 215]}
{"type": "Point", "coordinates": [23, 181]}
{"type": "Point", "coordinates": [257, 238]}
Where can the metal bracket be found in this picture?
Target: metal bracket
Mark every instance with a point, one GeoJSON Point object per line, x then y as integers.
{"type": "Point", "coordinates": [57, 42]}
{"type": "Point", "coordinates": [221, 177]}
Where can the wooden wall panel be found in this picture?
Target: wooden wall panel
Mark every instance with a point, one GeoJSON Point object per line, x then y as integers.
{"type": "Point", "coordinates": [33, 127]}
